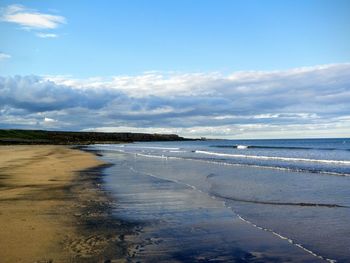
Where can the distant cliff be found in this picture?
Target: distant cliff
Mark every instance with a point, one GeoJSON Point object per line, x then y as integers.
{"type": "Point", "coordinates": [63, 137]}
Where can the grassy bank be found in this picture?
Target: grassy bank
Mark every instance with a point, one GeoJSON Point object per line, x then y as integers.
{"type": "Point", "coordinates": [67, 137]}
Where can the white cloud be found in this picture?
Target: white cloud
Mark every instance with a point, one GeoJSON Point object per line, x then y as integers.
{"type": "Point", "coordinates": [215, 84]}
{"type": "Point", "coordinates": [300, 102]}
{"type": "Point", "coordinates": [49, 120]}
{"type": "Point", "coordinates": [245, 131]}
{"type": "Point", "coordinates": [149, 84]}
{"type": "Point", "coordinates": [46, 35]}
{"type": "Point", "coordinates": [29, 18]}
{"type": "Point", "coordinates": [4, 56]}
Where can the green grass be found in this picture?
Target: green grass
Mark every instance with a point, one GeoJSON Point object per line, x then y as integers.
{"type": "Point", "coordinates": [64, 137]}
{"type": "Point", "coordinates": [24, 134]}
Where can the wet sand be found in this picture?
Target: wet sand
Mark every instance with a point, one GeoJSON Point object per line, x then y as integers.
{"type": "Point", "coordinates": [181, 221]}
{"type": "Point", "coordinates": [52, 208]}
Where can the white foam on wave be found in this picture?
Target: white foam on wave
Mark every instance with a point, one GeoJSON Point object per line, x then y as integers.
{"type": "Point", "coordinates": [261, 157]}
{"type": "Point", "coordinates": [266, 167]}
{"type": "Point", "coordinates": [241, 147]}
{"type": "Point", "coordinates": [237, 164]}
{"type": "Point", "coordinates": [229, 164]}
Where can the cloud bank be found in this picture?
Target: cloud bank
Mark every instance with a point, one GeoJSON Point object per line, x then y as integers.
{"type": "Point", "coordinates": [302, 102]}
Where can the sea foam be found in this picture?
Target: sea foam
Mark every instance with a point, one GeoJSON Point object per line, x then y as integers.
{"type": "Point", "coordinates": [261, 157]}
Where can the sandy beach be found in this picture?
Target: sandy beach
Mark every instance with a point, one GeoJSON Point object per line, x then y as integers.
{"type": "Point", "coordinates": [98, 204]}
{"type": "Point", "coordinates": [51, 207]}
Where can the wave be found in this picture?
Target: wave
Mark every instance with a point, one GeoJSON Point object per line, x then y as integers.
{"type": "Point", "coordinates": [219, 162]}
{"type": "Point", "coordinates": [242, 147]}
{"type": "Point", "coordinates": [261, 157]}
{"type": "Point", "coordinates": [226, 163]}
{"type": "Point", "coordinates": [290, 169]}
{"type": "Point", "coordinates": [305, 204]}
{"type": "Point", "coordinates": [276, 147]}
{"type": "Point", "coordinates": [154, 147]}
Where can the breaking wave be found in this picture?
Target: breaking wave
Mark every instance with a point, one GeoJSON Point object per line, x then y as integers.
{"type": "Point", "coordinates": [261, 157]}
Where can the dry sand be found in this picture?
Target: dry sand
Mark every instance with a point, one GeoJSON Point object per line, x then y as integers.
{"type": "Point", "coordinates": [51, 212]}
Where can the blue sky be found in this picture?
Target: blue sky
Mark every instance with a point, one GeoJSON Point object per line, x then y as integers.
{"type": "Point", "coordinates": [177, 63]}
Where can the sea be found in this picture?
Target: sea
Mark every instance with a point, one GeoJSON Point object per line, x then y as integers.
{"type": "Point", "coordinates": [285, 200]}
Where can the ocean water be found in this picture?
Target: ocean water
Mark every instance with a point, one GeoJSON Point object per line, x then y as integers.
{"type": "Point", "coordinates": [235, 200]}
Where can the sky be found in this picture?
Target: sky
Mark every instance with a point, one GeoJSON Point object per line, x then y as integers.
{"type": "Point", "coordinates": [219, 69]}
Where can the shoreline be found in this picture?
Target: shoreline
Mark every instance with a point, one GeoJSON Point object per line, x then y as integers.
{"type": "Point", "coordinates": [186, 223]}
{"type": "Point", "coordinates": [56, 206]}
{"type": "Point", "coordinates": [54, 209]}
